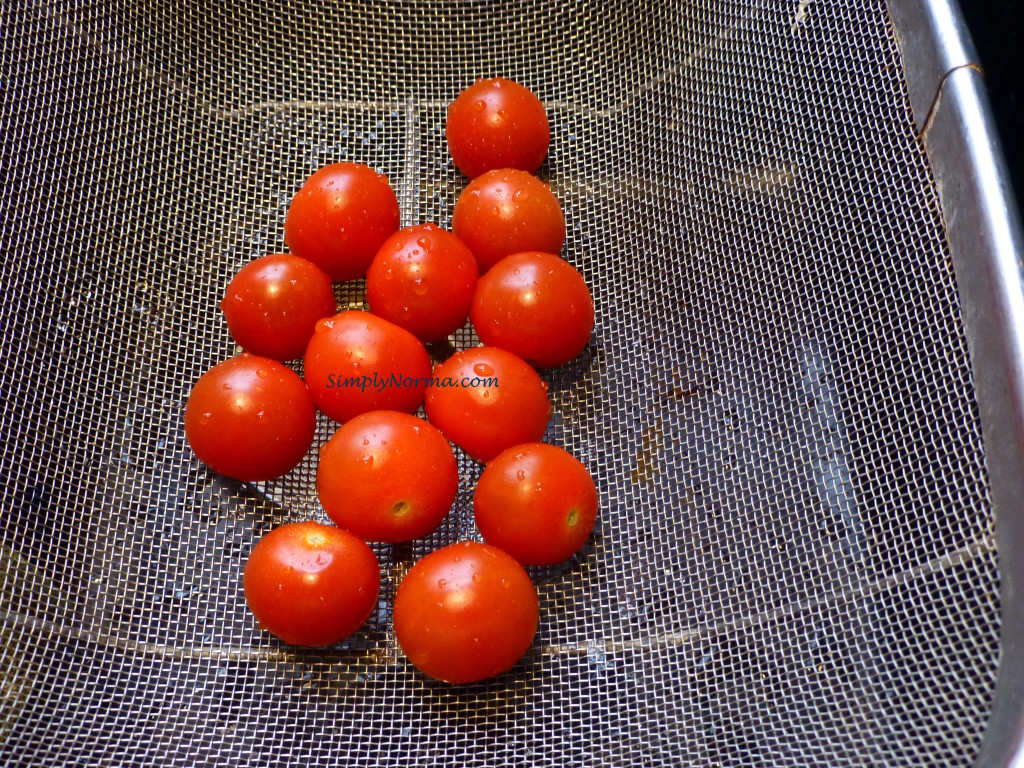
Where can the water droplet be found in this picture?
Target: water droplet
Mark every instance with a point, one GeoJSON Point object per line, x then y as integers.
{"type": "Point", "coordinates": [423, 242]}
{"type": "Point", "coordinates": [324, 325]}
{"type": "Point", "coordinates": [260, 414]}
{"type": "Point", "coordinates": [479, 105]}
{"type": "Point", "coordinates": [457, 559]}
{"type": "Point", "coordinates": [262, 373]}
{"type": "Point", "coordinates": [520, 475]}
{"type": "Point", "coordinates": [205, 418]}
{"type": "Point", "coordinates": [487, 393]}
{"type": "Point", "coordinates": [504, 583]}
{"type": "Point", "coordinates": [483, 369]}
{"type": "Point", "coordinates": [388, 275]}
{"type": "Point", "coordinates": [365, 441]}
{"type": "Point", "coordinates": [476, 577]}
{"type": "Point", "coordinates": [399, 245]}
{"type": "Point", "coordinates": [418, 287]}
{"type": "Point", "coordinates": [368, 459]}
{"type": "Point", "coordinates": [442, 583]}
{"type": "Point", "coordinates": [226, 386]}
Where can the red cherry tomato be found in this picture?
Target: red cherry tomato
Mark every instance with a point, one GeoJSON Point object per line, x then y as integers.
{"type": "Point", "coordinates": [497, 123]}
{"type": "Point", "coordinates": [340, 217]}
{"type": "Point", "coordinates": [250, 418]}
{"type": "Point", "coordinates": [423, 279]}
{"type": "Point", "coordinates": [465, 612]}
{"type": "Point", "coordinates": [311, 584]}
{"type": "Point", "coordinates": [536, 502]}
{"type": "Point", "coordinates": [508, 211]}
{"type": "Point", "coordinates": [272, 305]}
{"type": "Point", "coordinates": [358, 362]}
{"type": "Point", "coordinates": [387, 476]}
{"type": "Point", "coordinates": [486, 400]}
{"type": "Point", "coordinates": [535, 305]}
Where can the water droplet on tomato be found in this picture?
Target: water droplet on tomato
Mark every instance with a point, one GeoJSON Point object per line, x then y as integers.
{"type": "Point", "coordinates": [365, 441]}
{"type": "Point", "coordinates": [418, 287]}
{"type": "Point", "coordinates": [457, 559]}
{"type": "Point", "coordinates": [442, 583]}
{"type": "Point", "coordinates": [520, 475]}
{"type": "Point", "coordinates": [482, 369]}
{"type": "Point", "coordinates": [423, 242]}
{"type": "Point", "coordinates": [261, 372]}
{"type": "Point", "coordinates": [226, 386]}
{"type": "Point", "coordinates": [368, 459]}
{"type": "Point", "coordinates": [476, 577]}
{"type": "Point", "coordinates": [205, 418]}
{"type": "Point", "coordinates": [398, 245]}
{"type": "Point", "coordinates": [323, 326]}
{"type": "Point", "coordinates": [479, 105]}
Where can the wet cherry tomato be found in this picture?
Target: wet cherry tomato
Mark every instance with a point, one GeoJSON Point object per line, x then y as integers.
{"type": "Point", "coordinates": [340, 217]}
{"type": "Point", "coordinates": [358, 362]}
{"type": "Point", "coordinates": [535, 305]}
{"type": "Point", "coordinates": [311, 584]}
{"type": "Point", "coordinates": [272, 305]}
{"type": "Point", "coordinates": [387, 476]}
{"type": "Point", "coordinates": [497, 123]}
{"type": "Point", "coordinates": [423, 279]}
{"type": "Point", "coordinates": [486, 400]}
{"type": "Point", "coordinates": [507, 211]}
{"type": "Point", "coordinates": [250, 418]}
{"type": "Point", "coordinates": [536, 502]}
{"type": "Point", "coordinates": [465, 612]}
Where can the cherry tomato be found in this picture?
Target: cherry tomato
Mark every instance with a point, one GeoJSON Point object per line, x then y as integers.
{"type": "Point", "coordinates": [486, 400]}
{"type": "Point", "coordinates": [272, 305]}
{"type": "Point", "coordinates": [358, 362]}
{"type": "Point", "coordinates": [536, 502]}
{"type": "Point", "coordinates": [340, 217]}
{"type": "Point", "coordinates": [465, 612]}
{"type": "Point", "coordinates": [497, 123]}
{"type": "Point", "coordinates": [311, 584]}
{"type": "Point", "coordinates": [508, 211]}
{"type": "Point", "coordinates": [423, 279]}
{"type": "Point", "coordinates": [250, 418]}
{"type": "Point", "coordinates": [387, 476]}
{"type": "Point", "coordinates": [535, 305]}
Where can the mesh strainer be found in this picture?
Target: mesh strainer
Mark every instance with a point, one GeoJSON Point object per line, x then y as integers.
{"type": "Point", "coordinates": [807, 282]}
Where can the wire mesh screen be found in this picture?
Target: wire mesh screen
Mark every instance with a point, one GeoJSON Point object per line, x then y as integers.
{"type": "Point", "coordinates": [793, 562]}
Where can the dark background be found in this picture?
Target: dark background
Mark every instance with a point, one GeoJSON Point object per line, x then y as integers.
{"type": "Point", "coordinates": [998, 35]}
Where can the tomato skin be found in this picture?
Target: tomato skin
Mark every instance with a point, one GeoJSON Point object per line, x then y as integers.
{"type": "Point", "coordinates": [250, 418]}
{"type": "Point", "coordinates": [387, 476]}
{"type": "Point", "coordinates": [272, 305]}
{"type": "Point", "coordinates": [422, 279]}
{"type": "Point", "coordinates": [536, 502]}
{"type": "Point", "coordinates": [497, 123]}
{"type": "Point", "coordinates": [340, 217]}
{"type": "Point", "coordinates": [311, 584]}
{"type": "Point", "coordinates": [485, 420]}
{"type": "Point", "coordinates": [506, 211]}
{"type": "Point", "coordinates": [359, 344]}
{"type": "Point", "coordinates": [465, 612]}
{"type": "Point", "coordinates": [535, 305]}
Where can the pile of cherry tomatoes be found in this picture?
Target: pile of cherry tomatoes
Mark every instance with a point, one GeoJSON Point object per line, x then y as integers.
{"type": "Point", "coordinates": [467, 611]}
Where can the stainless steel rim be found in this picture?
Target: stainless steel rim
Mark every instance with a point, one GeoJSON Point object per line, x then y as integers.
{"type": "Point", "coordinates": [947, 92]}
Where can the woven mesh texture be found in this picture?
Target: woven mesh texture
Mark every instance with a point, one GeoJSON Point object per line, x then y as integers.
{"type": "Point", "coordinates": [794, 561]}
